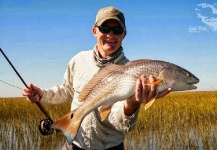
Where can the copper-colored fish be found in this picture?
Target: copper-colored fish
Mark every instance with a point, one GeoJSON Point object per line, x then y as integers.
{"type": "Point", "coordinates": [117, 82]}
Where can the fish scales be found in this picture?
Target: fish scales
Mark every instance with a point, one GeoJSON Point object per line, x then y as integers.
{"type": "Point", "coordinates": [109, 88]}
{"type": "Point", "coordinates": [145, 68]}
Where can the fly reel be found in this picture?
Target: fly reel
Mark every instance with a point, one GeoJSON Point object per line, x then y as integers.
{"type": "Point", "coordinates": [45, 126]}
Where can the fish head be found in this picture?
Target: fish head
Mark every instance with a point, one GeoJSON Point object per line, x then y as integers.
{"type": "Point", "coordinates": [178, 78]}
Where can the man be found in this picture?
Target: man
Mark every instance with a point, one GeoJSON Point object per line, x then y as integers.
{"type": "Point", "coordinates": [109, 31]}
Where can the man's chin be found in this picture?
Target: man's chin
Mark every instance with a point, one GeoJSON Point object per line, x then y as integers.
{"type": "Point", "coordinates": [109, 48]}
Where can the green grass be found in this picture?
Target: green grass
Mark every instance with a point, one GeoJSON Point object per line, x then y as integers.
{"type": "Point", "coordinates": [181, 120]}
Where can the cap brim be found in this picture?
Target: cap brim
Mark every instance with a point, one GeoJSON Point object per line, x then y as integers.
{"type": "Point", "coordinates": [99, 23]}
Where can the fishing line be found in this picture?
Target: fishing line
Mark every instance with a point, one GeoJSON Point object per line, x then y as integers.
{"type": "Point", "coordinates": [44, 126]}
{"type": "Point", "coordinates": [11, 85]}
{"type": "Point", "coordinates": [39, 105]}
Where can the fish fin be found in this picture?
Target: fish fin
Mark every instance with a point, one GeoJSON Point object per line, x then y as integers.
{"type": "Point", "coordinates": [157, 82]}
{"type": "Point", "coordinates": [68, 125]}
{"type": "Point", "coordinates": [104, 111]}
{"type": "Point", "coordinates": [96, 79]}
{"type": "Point", "coordinates": [150, 102]}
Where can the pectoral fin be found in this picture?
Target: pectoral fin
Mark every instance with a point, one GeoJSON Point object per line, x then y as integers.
{"type": "Point", "coordinates": [157, 82]}
{"type": "Point", "coordinates": [104, 111]}
{"type": "Point", "coordinates": [150, 102]}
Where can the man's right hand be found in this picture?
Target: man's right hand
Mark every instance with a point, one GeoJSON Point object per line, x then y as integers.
{"type": "Point", "coordinates": [33, 93]}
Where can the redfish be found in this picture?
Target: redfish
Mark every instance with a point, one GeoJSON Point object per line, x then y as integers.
{"type": "Point", "coordinates": [116, 83]}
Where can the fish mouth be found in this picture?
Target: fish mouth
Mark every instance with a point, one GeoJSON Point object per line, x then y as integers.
{"type": "Point", "coordinates": [192, 84]}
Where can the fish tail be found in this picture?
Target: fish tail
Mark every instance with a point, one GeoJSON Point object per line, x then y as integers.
{"type": "Point", "coordinates": [69, 125]}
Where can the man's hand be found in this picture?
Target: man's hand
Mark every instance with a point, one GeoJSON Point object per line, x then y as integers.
{"type": "Point", "coordinates": [144, 92]}
{"type": "Point", "coordinates": [33, 93]}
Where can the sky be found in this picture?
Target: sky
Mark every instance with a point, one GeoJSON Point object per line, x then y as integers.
{"type": "Point", "coordinates": [41, 36]}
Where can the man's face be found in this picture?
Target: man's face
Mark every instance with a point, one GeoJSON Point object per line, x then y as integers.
{"type": "Point", "coordinates": [108, 43]}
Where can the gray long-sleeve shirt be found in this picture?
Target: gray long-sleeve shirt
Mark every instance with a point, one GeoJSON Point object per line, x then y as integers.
{"type": "Point", "coordinates": [93, 133]}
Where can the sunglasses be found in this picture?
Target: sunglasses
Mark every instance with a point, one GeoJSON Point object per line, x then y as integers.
{"type": "Point", "coordinates": [115, 30]}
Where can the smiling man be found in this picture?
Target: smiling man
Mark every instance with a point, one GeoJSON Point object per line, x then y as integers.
{"type": "Point", "coordinates": [109, 30]}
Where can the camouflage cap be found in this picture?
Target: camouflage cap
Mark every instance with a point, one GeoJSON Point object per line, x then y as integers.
{"type": "Point", "coordinates": [110, 13]}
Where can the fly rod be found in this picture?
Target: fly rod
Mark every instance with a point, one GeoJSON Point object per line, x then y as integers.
{"type": "Point", "coordinates": [44, 126]}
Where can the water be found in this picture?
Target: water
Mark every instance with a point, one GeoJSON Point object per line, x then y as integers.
{"type": "Point", "coordinates": [25, 138]}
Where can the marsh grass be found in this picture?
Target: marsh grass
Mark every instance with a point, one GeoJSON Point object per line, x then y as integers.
{"type": "Point", "coordinates": [19, 122]}
{"type": "Point", "coordinates": [181, 120]}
